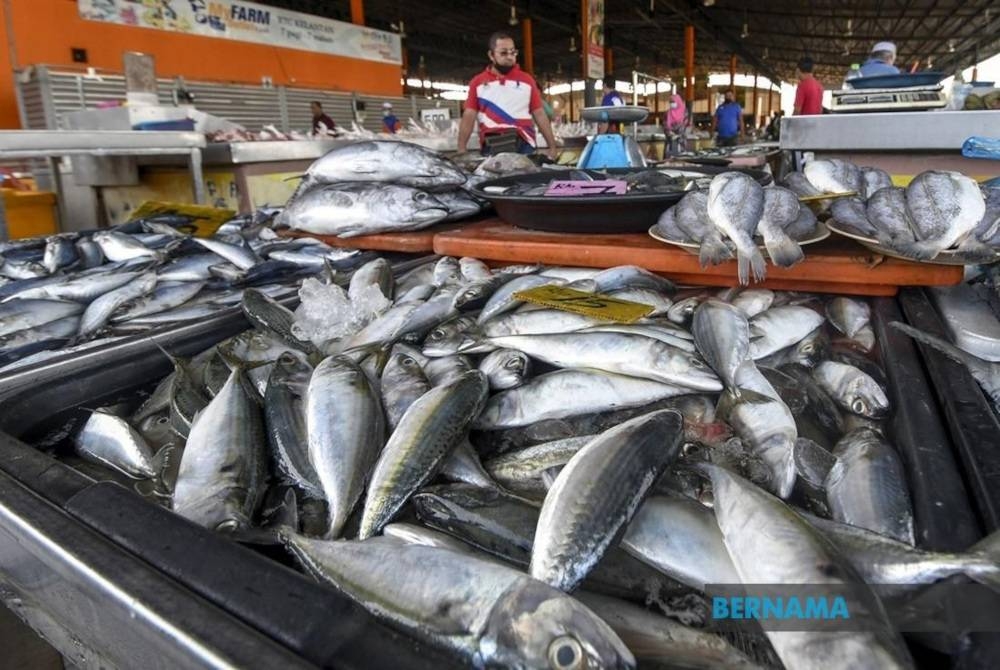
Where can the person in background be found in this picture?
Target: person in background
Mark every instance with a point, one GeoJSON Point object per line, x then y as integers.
{"type": "Point", "coordinates": [881, 60]}
{"type": "Point", "coordinates": [390, 123]}
{"type": "Point", "coordinates": [322, 124]}
{"type": "Point", "coordinates": [727, 123]}
{"type": "Point", "coordinates": [675, 124]}
{"type": "Point", "coordinates": [612, 98]}
{"type": "Point", "coordinates": [809, 92]}
{"type": "Point", "coordinates": [506, 102]}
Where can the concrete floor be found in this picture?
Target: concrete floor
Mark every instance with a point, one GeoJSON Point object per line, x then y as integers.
{"type": "Point", "coordinates": [22, 648]}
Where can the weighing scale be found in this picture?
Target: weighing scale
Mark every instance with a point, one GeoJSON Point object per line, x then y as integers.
{"type": "Point", "coordinates": [613, 150]}
{"type": "Point", "coordinates": [908, 99]}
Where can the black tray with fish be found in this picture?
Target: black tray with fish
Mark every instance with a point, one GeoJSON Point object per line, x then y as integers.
{"type": "Point", "coordinates": [520, 200]}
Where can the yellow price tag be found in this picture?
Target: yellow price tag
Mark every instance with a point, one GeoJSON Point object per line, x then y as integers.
{"type": "Point", "coordinates": [205, 220]}
{"type": "Point", "coordinates": [594, 305]}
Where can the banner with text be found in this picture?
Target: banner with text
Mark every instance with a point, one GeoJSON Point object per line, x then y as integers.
{"type": "Point", "coordinates": [595, 39]}
{"type": "Point", "coordinates": [249, 22]}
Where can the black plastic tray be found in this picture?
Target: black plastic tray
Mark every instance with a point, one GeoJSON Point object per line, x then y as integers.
{"type": "Point", "coordinates": [590, 214]}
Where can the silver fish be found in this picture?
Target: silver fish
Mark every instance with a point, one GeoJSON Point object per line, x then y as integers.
{"type": "Point", "coordinates": [722, 335]}
{"type": "Point", "coordinates": [781, 207]}
{"type": "Point", "coordinates": [624, 277]}
{"type": "Point", "coordinates": [89, 252]}
{"type": "Point", "coordinates": [21, 314]}
{"type": "Point", "coordinates": [580, 518]}
{"type": "Point", "coordinates": [834, 176]}
{"type": "Point", "coordinates": [377, 272]}
{"type": "Point", "coordinates": [665, 332]}
{"type": "Point", "coordinates": [237, 254]}
{"type": "Point", "coordinates": [944, 207]}
{"type": "Point", "coordinates": [345, 427]}
{"type": "Point", "coordinates": [349, 210]}
{"type": "Point", "coordinates": [494, 615]}
{"type": "Point", "coordinates": [446, 369]}
{"type": "Point", "coordinates": [866, 487]}
{"type": "Point", "coordinates": [521, 471]}
{"type": "Point", "coordinates": [83, 288]}
{"type": "Point", "coordinates": [505, 368]}
{"type": "Point", "coordinates": [771, 544]}
{"type": "Point", "coordinates": [109, 440]}
{"type": "Point", "coordinates": [190, 268]}
{"type": "Point", "coordinates": [781, 327]}
{"type": "Point", "coordinates": [474, 269]}
{"type": "Point", "coordinates": [503, 299]}
{"type": "Point", "coordinates": [463, 465]}
{"type": "Point", "coordinates": [166, 295]}
{"type": "Point", "coordinates": [874, 179]}
{"type": "Point", "coordinates": [403, 381]}
{"type": "Point", "coordinates": [285, 418]}
{"type": "Point", "coordinates": [735, 205]}
{"type": "Point", "coordinates": [537, 322]}
{"type": "Point", "coordinates": [854, 213]}
{"type": "Point", "coordinates": [889, 216]}
{"type": "Point", "coordinates": [59, 253]}
{"type": "Point", "coordinates": [121, 247]}
{"type": "Point", "coordinates": [847, 315]}
{"type": "Point", "coordinates": [100, 310]}
{"type": "Point", "coordinates": [387, 162]}
{"type": "Point", "coordinates": [691, 217]}
{"type": "Point", "coordinates": [853, 389]}
{"type": "Point", "coordinates": [429, 430]}
{"type": "Point", "coordinates": [661, 304]}
{"type": "Point", "coordinates": [448, 270]}
{"type": "Point", "coordinates": [411, 533]}
{"type": "Point", "coordinates": [222, 469]}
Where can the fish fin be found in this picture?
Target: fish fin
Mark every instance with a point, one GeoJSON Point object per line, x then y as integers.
{"type": "Point", "coordinates": [747, 262]}
{"type": "Point", "coordinates": [975, 251]}
{"type": "Point", "coordinates": [783, 250]}
{"type": "Point", "coordinates": [918, 250]}
{"type": "Point", "coordinates": [173, 359]}
{"type": "Point", "coordinates": [302, 176]}
{"type": "Point", "coordinates": [751, 397]}
{"type": "Point", "coordinates": [162, 460]}
{"type": "Point", "coordinates": [713, 251]}
{"type": "Point", "coordinates": [989, 546]}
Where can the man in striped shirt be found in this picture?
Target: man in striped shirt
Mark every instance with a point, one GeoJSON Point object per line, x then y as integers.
{"type": "Point", "coordinates": [506, 102]}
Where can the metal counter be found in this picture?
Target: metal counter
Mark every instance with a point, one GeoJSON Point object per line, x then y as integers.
{"type": "Point", "coordinates": [888, 131]}
{"type": "Point", "coordinates": [237, 153]}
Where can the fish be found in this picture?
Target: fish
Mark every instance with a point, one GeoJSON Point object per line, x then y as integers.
{"type": "Point", "coordinates": [866, 486]}
{"type": "Point", "coordinates": [659, 302]}
{"type": "Point", "coordinates": [412, 533]}
{"type": "Point", "coordinates": [665, 332]}
{"type": "Point", "coordinates": [781, 327]}
{"type": "Point", "coordinates": [853, 212]}
{"type": "Point", "coordinates": [987, 373]}
{"type": "Point", "coordinates": [448, 270]}
{"type": "Point", "coordinates": [894, 227]}
{"type": "Point", "coordinates": [377, 272]}
{"type": "Point", "coordinates": [110, 441]}
{"type": "Point", "coordinates": [537, 322]}
{"type": "Point", "coordinates": [874, 179]}
{"type": "Point", "coordinates": [285, 420]}
{"type": "Point", "coordinates": [272, 318]}
{"type": "Point", "coordinates": [83, 288]}
{"type": "Point", "coordinates": [853, 389]}
{"type": "Point", "coordinates": [623, 277]}
{"type": "Point", "coordinates": [60, 252]}
{"type": "Point", "coordinates": [460, 204]}
{"type": "Point", "coordinates": [190, 268]}
{"type": "Point", "coordinates": [459, 334]}
{"type": "Point", "coordinates": [502, 300]}
{"type": "Point", "coordinates": [722, 336]}
{"type": "Point", "coordinates": [101, 309]}
{"type": "Point", "coordinates": [847, 315]}
{"type": "Point", "coordinates": [496, 616]}
{"type": "Point", "coordinates": [166, 295]}
{"type": "Point", "coordinates": [349, 210]}
{"type": "Point", "coordinates": [781, 207]}
{"type": "Point", "coordinates": [521, 471]}
{"type": "Point", "coordinates": [387, 162]}
{"type": "Point", "coordinates": [463, 465]}
{"type": "Point", "coordinates": [504, 163]}
{"type": "Point", "coordinates": [681, 538]}
{"type": "Point", "coordinates": [403, 381]}
{"type": "Point", "coordinates": [430, 429]}
{"type": "Point", "coordinates": [735, 206]}
{"type": "Point", "coordinates": [476, 293]}
{"type": "Point", "coordinates": [691, 218]}
{"type": "Point", "coordinates": [121, 247]}
{"type": "Point", "coordinates": [770, 544]}
{"type": "Point", "coordinates": [753, 301]}
{"type": "Point", "coordinates": [682, 311]}
{"type": "Point", "coordinates": [618, 353]}
{"type": "Point", "coordinates": [944, 207]}
{"type": "Point", "coordinates": [222, 469]}
{"type": "Point", "coordinates": [445, 369]}
{"type": "Point", "coordinates": [505, 368]}
{"type": "Point", "coordinates": [24, 314]}
{"type": "Point", "coordinates": [581, 518]}
{"type": "Point", "coordinates": [834, 176]}
{"type": "Point", "coordinates": [89, 252]}
{"type": "Point", "coordinates": [549, 396]}
{"type": "Point", "coordinates": [345, 426]}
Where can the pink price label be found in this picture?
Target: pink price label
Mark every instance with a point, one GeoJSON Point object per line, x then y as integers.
{"type": "Point", "coordinates": [577, 188]}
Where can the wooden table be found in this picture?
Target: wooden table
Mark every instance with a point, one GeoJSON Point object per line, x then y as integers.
{"type": "Point", "coordinates": [415, 242]}
{"type": "Point", "coordinates": [835, 265]}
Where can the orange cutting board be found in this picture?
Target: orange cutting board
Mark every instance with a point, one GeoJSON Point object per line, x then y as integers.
{"type": "Point", "coordinates": [835, 265]}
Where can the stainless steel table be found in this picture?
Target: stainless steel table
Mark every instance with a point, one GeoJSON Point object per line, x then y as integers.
{"type": "Point", "coordinates": [53, 144]}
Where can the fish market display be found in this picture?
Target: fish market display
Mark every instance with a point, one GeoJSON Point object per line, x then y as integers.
{"type": "Point", "coordinates": [72, 288]}
{"type": "Point", "coordinates": [378, 186]}
{"type": "Point", "coordinates": [734, 218]}
{"type": "Point", "coordinates": [528, 487]}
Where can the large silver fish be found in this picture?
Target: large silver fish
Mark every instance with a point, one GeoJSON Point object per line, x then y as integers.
{"type": "Point", "coordinates": [866, 487]}
{"type": "Point", "coordinates": [429, 430]}
{"type": "Point", "coordinates": [21, 314]}
{"type": "Point", "coordinates": [386, 162]}
{"type": "Point", "coordinates": [349, 210]}
{"type": "Point", "coordinates": [944, 207]}
{"type": "Point", "coordinates": [598, 492]}
{"type": "Point", "coordinates": [521, 471]}
{"type": "Point", "coordinates": [781, 327]}
{"type": "Point", "coordinates": [853, 389]}
{"type": "Point", "coordinates": [722, 335]}
{"type": "Point", "coordinates": [735, 205]}
{"type": "Point", "coordinates": [100, 310]}
{"type": "Point", "coordinates": [285, 417]}
{"type": "Point", "coordinates": [345, 427]}
{"type": "Point", "coordinates": [691, 217]}
{"type": "Point", "coordinates": [494, 615]}
{"type": "Point", "coordinates": [834, 176]}
{"type": "Point", "coordinates": [781, 208]}
{"type": "Point", "coordinates": [403, 381]}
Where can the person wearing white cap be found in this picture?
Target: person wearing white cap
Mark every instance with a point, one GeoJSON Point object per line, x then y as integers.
{"type": "Point", "coordinates": [880, 62]}
{"type": "Point", "coordinates": [390, 123]}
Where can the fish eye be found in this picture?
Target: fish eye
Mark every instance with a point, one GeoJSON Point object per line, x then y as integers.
{"type": "Point", "coordinates": [420, 196]}
{"type": "Point", "coordinates": [858, 406]}
{"type": "Point", "coordinates": [407, 361]}
{"type": "Point", "coordinates": [437, 334]}
{"type": "Point", "coordinates": [513, 364]}
{"type": "Point", "coordinates": [162, 420]}
{"type": "Point", "coordinates": [565, 653]}
{"type": "Point", "coordinates": [695, 363]}
{"type": "Point", "coordinates": [808, 348]}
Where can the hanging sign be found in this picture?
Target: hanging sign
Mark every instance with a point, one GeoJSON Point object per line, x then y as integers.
{"type": "Point", "coordinates": [249, 22]}
{"type": "Point", "coordinates": [594, 38]}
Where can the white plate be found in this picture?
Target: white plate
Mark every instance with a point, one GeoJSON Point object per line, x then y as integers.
{"type": "Point", "coordinates": [820, 233]}
{"type": "Point", "coordinates": [946, 257]}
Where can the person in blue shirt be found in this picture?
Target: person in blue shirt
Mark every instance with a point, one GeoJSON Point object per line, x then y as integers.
{"type": "Point", "coordinates": [390, 124]}
{"type": "Point", "coordinates": [880, 62]}
{"type": "Point", "coordinates": [612, 98]}
{"type": "Point", "coordinates": [727, 123]}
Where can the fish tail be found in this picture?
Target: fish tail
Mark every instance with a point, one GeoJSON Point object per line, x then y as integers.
{"type": "Point", "coordinates": [713, 251]}
{"type": "Point", "coordinates": [975, 251]}
{"type": "Point", "coordinates": [783, 250]}
{"type": "Point", "coordinates": [947, 348]}
{"type": "Point", "coordinates": [749, 258]}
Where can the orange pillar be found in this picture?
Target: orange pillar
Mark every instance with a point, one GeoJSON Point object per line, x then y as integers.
{"type": "Point", "coordinates": [358, 12]}
{"type": "Point", "coordinates": [689, 64]}
{"type": "Point", "coordinates": [732, 71]}
{"type": "Point", "coordinates": [609, 60]}
{"type": "Point", "coordinates": [528, 46]}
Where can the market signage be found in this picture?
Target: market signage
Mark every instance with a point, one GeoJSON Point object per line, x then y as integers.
{"type": "Point", "coordinates": [249, 22]}
{"type": "Point", "coordinates": [595, 38]}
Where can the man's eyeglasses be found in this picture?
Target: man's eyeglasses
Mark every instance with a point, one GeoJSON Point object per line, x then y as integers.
{"type": "Point", "coordinates": [506, 52]}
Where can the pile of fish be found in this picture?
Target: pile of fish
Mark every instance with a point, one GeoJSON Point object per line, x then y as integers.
{"type": "Point", "coordinates": [68, 289]}
{"type": "Point", "coordinates": [536, 488]}
{"type": "Point", "coordinates": [378, 186]}
{"type": "Point", "coordinates": [733, 217]}
{"type": "Point", "coordinates": [938, 213]}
